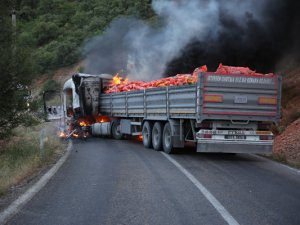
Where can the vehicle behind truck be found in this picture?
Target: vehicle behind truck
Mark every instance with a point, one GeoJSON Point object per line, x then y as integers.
{"type": "Point", "coordinates": [231, 113]}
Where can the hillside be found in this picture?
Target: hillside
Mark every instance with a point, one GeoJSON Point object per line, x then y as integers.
{"type": "Point", "coordinates": [54, 31]}
{"type": "Point", "coordinates": [287, 142]}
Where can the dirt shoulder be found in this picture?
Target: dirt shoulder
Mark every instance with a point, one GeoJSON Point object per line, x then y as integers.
{"type": "Point", "coordinates": [287, 145]}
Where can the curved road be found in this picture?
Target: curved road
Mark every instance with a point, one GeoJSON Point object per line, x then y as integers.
{"type": "Point", "coordinates": [114, 182]}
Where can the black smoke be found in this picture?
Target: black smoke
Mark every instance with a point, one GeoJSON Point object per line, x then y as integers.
{"type": "Point", "coordinates": [260, 45]}
{"type": "Point", "coordinates": [254, 33]}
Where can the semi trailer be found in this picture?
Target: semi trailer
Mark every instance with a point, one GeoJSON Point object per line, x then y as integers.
{"type": "Point", "coordinates": [228, 113]}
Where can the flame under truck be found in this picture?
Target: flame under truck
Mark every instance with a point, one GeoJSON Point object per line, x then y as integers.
{"type": "Point", "coordinates": [230, 113]}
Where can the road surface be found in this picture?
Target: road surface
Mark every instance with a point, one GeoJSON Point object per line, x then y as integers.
{"type": "Point", "coordinates": [114, 182]}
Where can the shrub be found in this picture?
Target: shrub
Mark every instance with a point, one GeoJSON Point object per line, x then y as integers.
{"type": "Point", "coordinates": [29, 120]}
{"type": "Point", "coordinates": [44, 59]}
{"type": "Point", "coordinates": [67, 52]}
{"type": "Point", "coordinates": [44, 32]}
{"type": "Point", "coordinates": [51, 85]}
{"type": "Point", "coordinates": [26, 39]}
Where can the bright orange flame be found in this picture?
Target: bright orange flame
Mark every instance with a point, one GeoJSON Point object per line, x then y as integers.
{"type": "Point", "coordinates": [75, 135]}
{"type": "Point", "coordinates": [82, 123]}
{"type": "Point", "coordinates": [62, 134]}
{"type": "Point", "coordinates": [102, 119]}
{"type": "Point", "coordinates": [140, 137]}
{"type": "Point", "coordinates": [117, 79]}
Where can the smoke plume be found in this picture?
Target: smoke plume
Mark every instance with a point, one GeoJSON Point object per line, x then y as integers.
{"type": "Point", "coordinates": [191, 33]}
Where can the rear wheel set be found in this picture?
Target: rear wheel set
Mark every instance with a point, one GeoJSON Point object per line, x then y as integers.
{"type": "Point", "coordinates": [158, 136]}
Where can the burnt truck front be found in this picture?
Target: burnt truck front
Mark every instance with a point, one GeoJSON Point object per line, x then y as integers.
{"type": "Point", "coordinates": [81, 102]}
{"type": "Point", "coordinates": [237, 112]}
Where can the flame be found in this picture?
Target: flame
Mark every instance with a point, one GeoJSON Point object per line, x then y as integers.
{"type": "Point", "coordinates": [62, 134]}
{"type": "Point", "coordinates": [102, 119]}
{"type": "Point", "coordinates": [75, 135]}
{"type": "Point", "coordinates": [82, 123]}
{"type": "Point", "coordinates": [117, 79]}
{"type": "Point", "coordinates": [89, 120]}
{"type": "Point", "coordinates": [140, 137]}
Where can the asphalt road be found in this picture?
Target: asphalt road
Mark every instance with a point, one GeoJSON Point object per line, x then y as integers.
{"type": "Point", "coordinates": [106, 181]}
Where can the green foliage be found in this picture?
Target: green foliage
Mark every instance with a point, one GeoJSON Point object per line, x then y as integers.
{"type": "Point", "coordinates": [27, 39]}
{"type": "Point", "coordinates": [49, 35]}
{"type": "Point", "coordinates": [56, 29]}
{"type": "Point", "coordinates": [29, 120]}
{"type": "Point", "coordinates": [44, 32]}
{"type": "Point", "coordinates": [16, 72]}
{"type": "Point", "coordinates": [51, 85]}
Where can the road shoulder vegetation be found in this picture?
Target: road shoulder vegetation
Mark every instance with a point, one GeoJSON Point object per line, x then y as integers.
{"type": "Point", "coordinates": [29, 151]}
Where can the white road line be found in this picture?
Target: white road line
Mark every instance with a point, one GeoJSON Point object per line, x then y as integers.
{"type": "Point", "coordinates": [216, 204]}
{"type": "Point", "coordinates": [23, 199]}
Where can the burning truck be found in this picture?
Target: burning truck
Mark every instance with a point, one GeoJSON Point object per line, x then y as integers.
{"type": "Point", "coordinates": [230, 110]}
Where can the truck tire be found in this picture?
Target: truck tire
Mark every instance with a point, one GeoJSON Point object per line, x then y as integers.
{"type": "Point", "coordinates": [115, 130]}
{"type": "Point", "coordinates": [167, 140]}
{"type": "Point", "coordinates": [147, 134]}
{"type": "Point", "coordinates": [157, 131]}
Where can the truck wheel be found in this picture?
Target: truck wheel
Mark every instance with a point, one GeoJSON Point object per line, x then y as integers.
{"type": "Point", "coordinates": [147, 134]}
{"type": "Point", "coordinates": [167, 141]}
{"type": "Point", "coordinates": [157, 136]}
{"type": "Point", "coordinates": [115, 130]}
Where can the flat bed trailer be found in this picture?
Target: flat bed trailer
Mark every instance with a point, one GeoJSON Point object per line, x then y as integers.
{"type": "Point", "coordinates": [220, 113]}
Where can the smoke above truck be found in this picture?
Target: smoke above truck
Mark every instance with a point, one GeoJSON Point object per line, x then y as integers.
{"type": "Point", "coordinates": [190, 33]}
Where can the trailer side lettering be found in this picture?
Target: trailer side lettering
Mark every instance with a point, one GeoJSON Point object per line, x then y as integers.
{"type": "Point", "coordinates": [243, 80]}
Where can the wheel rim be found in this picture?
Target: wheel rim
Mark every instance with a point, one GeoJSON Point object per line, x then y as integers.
{"type": "Point", "coordinates": [155, 135]}
{"type": "Point", "coordinates": [167, 138]}
{"type": "Point", "coordinates": [145, 135]}
{"type": "Point", "coordinates": [116, 129]}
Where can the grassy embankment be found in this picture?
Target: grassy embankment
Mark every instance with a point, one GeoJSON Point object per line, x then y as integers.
{"type": "Point", "coordinates": [21, 156]}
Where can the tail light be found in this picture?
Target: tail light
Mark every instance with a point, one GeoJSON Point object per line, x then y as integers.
{"type": "Point", "coordinates": [204, 135]}
{"type": "Point", "coordinates": [207, 135]}
{"type": "Point", "coordinates": [265, 137]}
{"type": "Point", "coordinates": [267, 100]}
{"type": "Point", "coordinates": [213, 98]}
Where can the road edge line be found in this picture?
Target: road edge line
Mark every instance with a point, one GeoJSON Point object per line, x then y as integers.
{"type": "Point", "coordinates": [16, 205]}
{"type": "Point", "coordinates": [209, 196]}
{"type": "Point", "coordinates": [278, 163]}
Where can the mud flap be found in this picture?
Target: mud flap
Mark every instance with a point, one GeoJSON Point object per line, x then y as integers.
{"type": "Point", "coordinates": [177, 133]}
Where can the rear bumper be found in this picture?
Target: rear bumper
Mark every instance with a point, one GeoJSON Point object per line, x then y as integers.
{"type": "Point", "coordinates": [227, 146]}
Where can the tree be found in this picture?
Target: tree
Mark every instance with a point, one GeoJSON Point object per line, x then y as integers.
{"type": "Point", "coordinates": [15, 74]}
